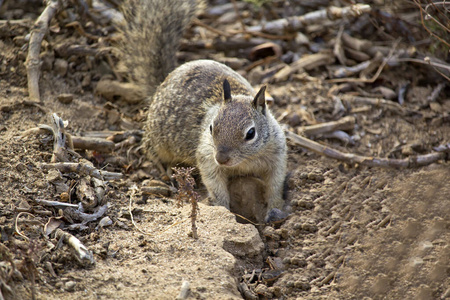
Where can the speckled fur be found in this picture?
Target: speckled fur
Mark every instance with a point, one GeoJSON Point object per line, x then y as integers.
{"type": "Point", "coordinates": [189, 101]}
{"type": "Point", "coordinates": [151, 36]}
{"type": "Point", "coordinates": [178, 130]}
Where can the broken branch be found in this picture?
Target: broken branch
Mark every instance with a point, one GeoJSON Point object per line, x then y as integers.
{"type": "Point", "coordinates": [378, 102]}
{"type": "Point", "coordinates": [100, 145]}
{"type": "Point", "coordinates": [350, 158]}
{"type": "Point", "coordinates": [82, 253]}
{"type": "Point", "coordinates": [33, 62]}
{"type": "Point", "coordinates": [81, 169]}
{"type": "Point", "coordinates": [345, 123]}
{"type": "Point", "coordinates": [297, 22]}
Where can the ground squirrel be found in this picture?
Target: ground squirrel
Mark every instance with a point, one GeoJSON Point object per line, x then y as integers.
{"type": "Point", "coordinates": [203, 113]}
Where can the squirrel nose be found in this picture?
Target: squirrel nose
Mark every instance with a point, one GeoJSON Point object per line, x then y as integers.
{"type": "Point", "coordinates": [222, 156]}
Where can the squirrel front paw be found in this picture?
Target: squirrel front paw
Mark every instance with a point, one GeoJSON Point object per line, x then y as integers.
{"type": "Point", "coordinates": [275, 215]}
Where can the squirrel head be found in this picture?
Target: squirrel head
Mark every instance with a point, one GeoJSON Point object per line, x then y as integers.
{"type": "Point", "coordinates": [240, 130]}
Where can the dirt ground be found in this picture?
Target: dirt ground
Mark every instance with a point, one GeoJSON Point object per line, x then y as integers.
{"type": "Point", "coordinates": [353, 232]}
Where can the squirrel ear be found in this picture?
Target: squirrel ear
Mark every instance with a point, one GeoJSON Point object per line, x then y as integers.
{"type": "Point", "coordinates": [226, 91]}
{"type": "Point", "coordinates": [260, 100]}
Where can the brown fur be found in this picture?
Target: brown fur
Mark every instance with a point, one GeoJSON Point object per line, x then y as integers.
{"type": "Point", "coordinates": [189, 122]}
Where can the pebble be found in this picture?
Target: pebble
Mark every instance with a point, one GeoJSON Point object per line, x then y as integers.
{"type": "Point", "coordinates": [106, 221]}
{"type": "Point", "coordinates": [416, 261]}
{"type": "Point", "coordinates": [262, 289]}
{"type": "Point", "coordinates": [302, 285]}
{"type": "Point", "coordinates": [298, 261]}
{"type": "Point", "coordinates": [21, 167]}
{"type": "Point", "coordinates": [70, 286]}
{"type": "Point", "coordinates": [304, 205]}
{"type": "Point", "coordinates": [156, 190]}
{"type": "Point", "coordinates": [65, 98]}
{"type": "Point", "coordinates": [47, 59]}
{"type": "Point", "coordinates": [294, 120]}
{"type": "Point", "coordinates": [61, 66]}
{"type": "Point", "coordinates": [425, 245]}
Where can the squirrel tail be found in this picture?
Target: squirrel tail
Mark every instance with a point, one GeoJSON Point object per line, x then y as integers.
{"type": "Point", "coordinates": [151, 36]}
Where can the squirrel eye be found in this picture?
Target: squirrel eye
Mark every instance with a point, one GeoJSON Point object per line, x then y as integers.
{"type": "Point", "coordinates": [210, 128]}
{"type": "Point", "coordinates": [250, 134]}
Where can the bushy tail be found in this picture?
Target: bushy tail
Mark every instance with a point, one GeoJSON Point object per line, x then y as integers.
{"type": "Point", "coordinates": [151, 35]}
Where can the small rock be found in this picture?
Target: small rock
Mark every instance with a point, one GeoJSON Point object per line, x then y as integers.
{"type": "Point", "coordinates": [86, 80]}
{"type": "Point", "coordinates": [17, 275]}
{"type": "Point", "coordinates": [64, 196]}
{"type": "Point", "coordinates": [247, 244]}
{"type": "Point", "coordinates": [112, 116]}
{"type": "Point", "coordinates": [416, 261]}
{"type": "Point", "coordinates": [58, 285]}
{"type": "Point", "coordinates": [298, 261]}
{"type": "Point", "coordinates": [284, 233]}
{"type": "Point", "coordinates": [304, 205]}
{"type": "Point", "coordinates": [65, 98]}
{"type": "Point", "coordinates": [316, 177]}
{"type": "Point", "coordinates": [61, 66]}
{"type": "Point", "coordinates": [24, 205]}
{"type": "Point", "coordinates": [106, 221]}
{"type": "Point", "coordinates": [21, 167]}
{"type": "Point", "coordinates": [156, 190]}
{"type": "Point", "coordinates": [184, 291]}
{"type": "Point", "coordinates": [155, 182]}
{"type": "Point", "coordinates": [271, 233]}
{"type": "Point", "coordinates": [261, 289]}
{"type": "Point", "coordinates": [309, 227]}
{"type": "Point", "coordinates": [302, 285]}
{"type": "Point", "coordinates": [70, 286]}
{"type": "Point", "coordinates": [386, 92]}
{"type": "Point", "coordinates": [425, 245]}
{"type": "Point", "coordinates": [294, 120]}
{"type": "Point", "coordinates": [53, 175]}
{"type": "Point", "coordinates": [47, 59]}
{"type": "Point", "coordinates": [276, 291]}
{"type": "Point", "coordinates": [436, 107]}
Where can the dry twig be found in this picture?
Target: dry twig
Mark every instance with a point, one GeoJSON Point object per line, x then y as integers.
{"type": "Point", "coordinates": [297, 22]}
{"type": "Point", "coordinates": [16, 228]}
{"type": "Point", "coordinates": [82, 253]}
{"type": "Point", "coordinates": [422, 11]}
{"type": "Point", "coordinates": [56, 204]}
{"type": "Point", "coordinates": [345, 123]}
{"type": "Point", "coordinates": [307, 62]}
{"type": "Point", "coordinates": [82, 169]}
{"type": "Point", "coordinates": [8, 108]}
{"type": "Point", "coordinates": [85, 218]}
{"type": "Point", "coordinates": [59, 136]}
{"type": "Point", "coordinates": [33, 62]}
{"type": "Point", "coordinates": [97, 144]}
{"type": "Point", "coordinates": [186, 191]}
{"type": "Point", "coordinates": [375, 76]}
{"type": "Point", "coordinates": [133, 190]}
{"type": "Point", "coordinates": [377, 102]}
{"type": "Point", "coordinates": [350, 158]}
{"type": "Point", "coordinates": [427, 61]}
